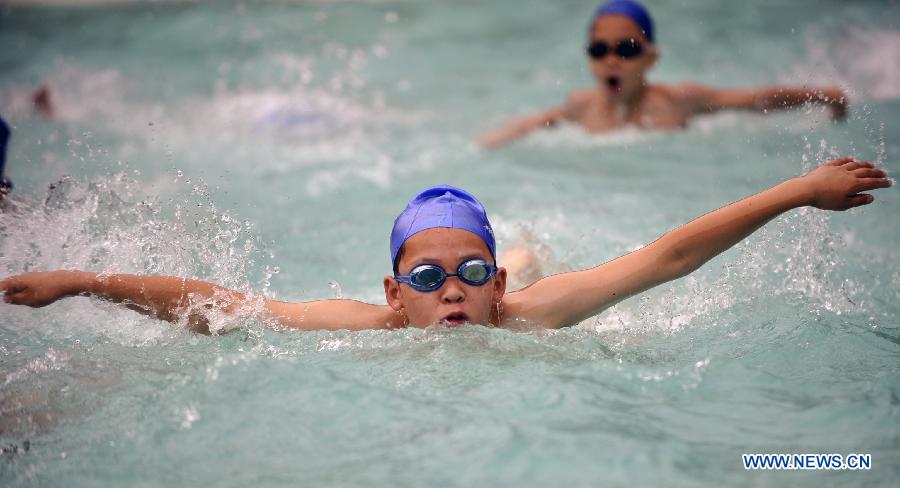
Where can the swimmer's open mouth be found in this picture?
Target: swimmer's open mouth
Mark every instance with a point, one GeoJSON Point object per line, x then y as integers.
{"type": "Point", "coordinates": [614, 83]}
{"type": "Point", "coordinates": [455, 319]}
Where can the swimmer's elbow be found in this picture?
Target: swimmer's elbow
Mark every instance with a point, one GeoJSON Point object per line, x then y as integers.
{"type": "Point", "coordinates": [677, 262]}
{"type": "Point", "coordinates": [684, 268]}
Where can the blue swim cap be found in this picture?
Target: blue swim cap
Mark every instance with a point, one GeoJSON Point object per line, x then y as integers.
{"type": "Point", "coordinates": [441, 206]}
{"type": "Point", "coordinates": [629, 8]}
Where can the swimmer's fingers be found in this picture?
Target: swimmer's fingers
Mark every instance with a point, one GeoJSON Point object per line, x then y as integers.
{"type": "Point", "coordinates": [866, 184]}
{"type": "Point", "coordinates": [854, 165]}
{"type": "Point", "coordinates": [868, 172]}
{"type": "Point", "coordinates": [858, 200]}
{"type": "Point", "coordinates": [8, 285]}
{"type": "Point", "coordinates": [840, 161]}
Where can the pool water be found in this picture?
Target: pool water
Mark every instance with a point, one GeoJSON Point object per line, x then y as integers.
{"type": "Point", "coordinates": [268, 146]}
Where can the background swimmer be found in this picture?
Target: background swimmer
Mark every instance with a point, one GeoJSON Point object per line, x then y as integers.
{"type": "Point", "coordinates": [43, 101]}
{"type": "Point", "coordinates": [621, 50]}
{"type": "Point", "coordinates": [6, 185]}
{"type": "Point", "coordinates": [445, 271]}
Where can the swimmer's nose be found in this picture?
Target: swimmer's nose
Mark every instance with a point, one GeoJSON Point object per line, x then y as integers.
{"type": "Point", "coordinates": [452, 291]}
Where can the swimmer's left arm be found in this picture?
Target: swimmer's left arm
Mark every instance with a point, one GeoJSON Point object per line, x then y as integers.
{"type": "Point", "coordinates": [568, 298]}
{"type": "Point", "coordinates": [703, 99]}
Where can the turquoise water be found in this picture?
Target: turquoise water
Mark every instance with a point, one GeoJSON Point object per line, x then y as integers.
{"type": "Point", "coordinates": [269, 145]}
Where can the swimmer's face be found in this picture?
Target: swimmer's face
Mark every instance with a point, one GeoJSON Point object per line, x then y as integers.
{"type": "Point", "coordinates": [455, 302]}
{"type": "Point", "coordinates": [618, 76]}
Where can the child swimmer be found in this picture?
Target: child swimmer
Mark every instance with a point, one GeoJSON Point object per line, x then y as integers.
{"type": "Point", "coordinates": [621, 50]}
{"type": "Point", "coordinates": [445, 270]}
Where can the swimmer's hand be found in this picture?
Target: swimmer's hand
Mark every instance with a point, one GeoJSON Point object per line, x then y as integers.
{"type": "Point", "coordinates": [40, 289]}
{"type": "Point", "coordinates": [839, 184]}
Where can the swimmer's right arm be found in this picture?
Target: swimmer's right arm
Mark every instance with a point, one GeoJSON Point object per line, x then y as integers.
{"type": "Point", "coordinates": [171, 298]}
{"type": "Point", "coordinates": [520, 127]}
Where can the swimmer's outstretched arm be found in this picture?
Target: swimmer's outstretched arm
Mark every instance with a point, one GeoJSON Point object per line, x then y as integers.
{"type": "Point", "coordinates": [568, 298]}
{"type": "Point", "coordinates": [520, 127]}
{"type": "Point", "coordinates": [703, 99]}
{"type": "Point", "coordinates": [173, 299]}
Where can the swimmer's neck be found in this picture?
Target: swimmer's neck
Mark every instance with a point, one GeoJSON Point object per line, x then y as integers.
{"type": "Point", "coordinates": [624, 105]}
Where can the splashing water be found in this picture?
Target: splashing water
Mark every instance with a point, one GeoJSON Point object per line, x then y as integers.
{"type": "Point", "coordinates": [267, 150]}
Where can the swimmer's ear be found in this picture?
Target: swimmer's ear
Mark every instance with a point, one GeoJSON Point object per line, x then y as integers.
{"type": "Point", "coordinates": [392, 293]}
{"type": "Point", "coordinates": [652, 57]}
{"type": "Point", "coordinates": [500, 284]}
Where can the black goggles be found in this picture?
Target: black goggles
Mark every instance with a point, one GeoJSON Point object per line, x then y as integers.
{"type": "Point", "coordinates": [430, 277]}
{"type": "Point", "coordinates": [627, 49]}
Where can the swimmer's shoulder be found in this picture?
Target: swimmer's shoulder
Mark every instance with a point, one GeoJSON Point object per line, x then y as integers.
{"type": "Point", "coordinates": [580, 97]}
{"type": "Point", "coordinates": [685, 96]}
{"type": "Point", "coordinates": [578, 101]}
{"type": "Point", "coordinates": [675, 91]}
{"type": "Point", "coordinates": [687, 91]}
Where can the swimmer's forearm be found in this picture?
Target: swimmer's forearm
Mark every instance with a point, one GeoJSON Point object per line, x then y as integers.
{"type": "Point", "coordinates": [508, 133]}
{"type": "Point", "coordinates": [162, 296]}
{"type": "Point", "coordinates": [698, 241]}
{"type": "Point", "coordinates": [775, 98]}
{"type": "Point", "coordinates": [518, 128]}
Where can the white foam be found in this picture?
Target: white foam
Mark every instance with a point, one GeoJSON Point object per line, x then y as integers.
{"type": "Point", "coordinates": [571, 135]}
{"type": "Point", "coordinates": [106, 225]}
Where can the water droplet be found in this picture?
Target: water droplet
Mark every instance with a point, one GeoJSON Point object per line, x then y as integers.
{"type": "Point", "coordinates": [336, 288]}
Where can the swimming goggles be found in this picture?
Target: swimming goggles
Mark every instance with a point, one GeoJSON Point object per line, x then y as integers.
{"type": "Point", "coordinates": [627, 49]}
{"type": "Point", "coordinates": [430, 277]}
